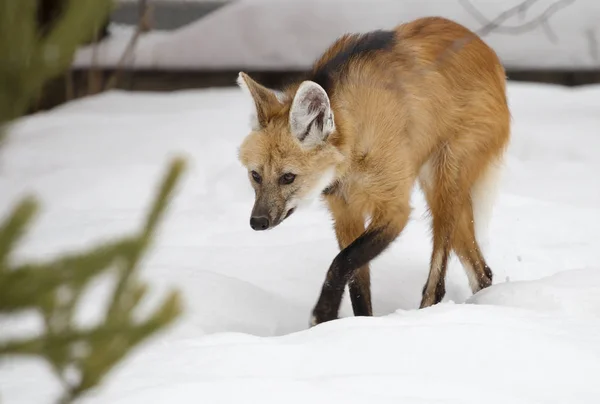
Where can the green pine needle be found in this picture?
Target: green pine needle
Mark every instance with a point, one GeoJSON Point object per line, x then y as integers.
{"type": "Point", "coordinates": [54, 288]}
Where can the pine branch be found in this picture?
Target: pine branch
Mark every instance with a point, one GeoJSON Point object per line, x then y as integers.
{"type": "Point", "coordinates": [54, 289]}
{"type": "Point", "coordinates": [30, 59]}
{"type": "Point", "coordinates": [13, 229]}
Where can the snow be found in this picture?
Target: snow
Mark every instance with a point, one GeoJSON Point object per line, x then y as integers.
{"type": "Point", "coordinates": [290, 34]}
{"type": "Point", "coordinates": [572, 293]}
{"type": "Point", "coordinates": [534, 336]}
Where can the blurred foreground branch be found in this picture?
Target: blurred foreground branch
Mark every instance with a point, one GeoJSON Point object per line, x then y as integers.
{"type": "Point", "coordinates": [31, 55]}
{"type": "Point", "coordinates": [82, 356]}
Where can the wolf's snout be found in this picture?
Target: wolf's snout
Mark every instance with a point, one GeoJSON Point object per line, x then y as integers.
{"type": "Point", "coordinates": [259, 222]}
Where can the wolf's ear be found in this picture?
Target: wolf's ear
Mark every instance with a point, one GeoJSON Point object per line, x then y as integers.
{"type": "Point", "coordinates": [311, 117]}
{"type": "Point", "coordinates": [265, 100]}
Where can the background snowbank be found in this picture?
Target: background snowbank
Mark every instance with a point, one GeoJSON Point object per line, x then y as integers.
{"type": "Point", "coordinates": [290, 34]}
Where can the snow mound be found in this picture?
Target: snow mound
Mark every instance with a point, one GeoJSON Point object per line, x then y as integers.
{"type": "Point", "coordinates": [444, 354]}
{"type": "Point", "coordinates": [574, 292]}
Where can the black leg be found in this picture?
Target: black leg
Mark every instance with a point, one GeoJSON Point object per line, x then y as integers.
{"type": "Point", "coordinates": [360, 292]}
{"type": "Point", "coordinates": [344, 267]}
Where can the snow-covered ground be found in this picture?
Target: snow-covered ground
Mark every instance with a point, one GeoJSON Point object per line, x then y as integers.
{"type": "Point", "coordinates": [533, 337]}
{"type": "Point", "coordinates": [290, 34]}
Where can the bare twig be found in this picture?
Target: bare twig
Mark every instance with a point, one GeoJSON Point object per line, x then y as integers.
{"type": "Point", "coordinates": [593, 44]}
{"type": "Point", "coordinates": [497, 26]}
{"type": "Point", "coordinates": [519, 9]}
{"type": "Point", "coordinates": [549, 32]}
{"type": "Point", "coordinates": [142, 26]}
{"type": "Point", "coordinates": [94, 80]}
{"type": "Point", "coordinates": [523, 13]}
{"type": "Point", "coordinates": [69, 85]}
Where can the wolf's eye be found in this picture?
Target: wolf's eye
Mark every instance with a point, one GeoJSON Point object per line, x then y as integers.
{"type": "Point", "coordinates": [256, 177]}
{"type": "Point", "coordinates": [287, 178]}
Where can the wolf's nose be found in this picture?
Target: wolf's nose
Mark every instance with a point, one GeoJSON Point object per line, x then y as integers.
{"type": "Point", "coordinates": [259, 222]}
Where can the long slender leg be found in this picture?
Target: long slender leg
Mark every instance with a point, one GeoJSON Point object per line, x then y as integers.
{"type": "Point", "coordinates": [445, 197]}
{"type": "Point", "coordinates": [360, 292]}
{"type": "Point", "coordinates": [435, 287]}
{"type": "Point", "coordinates": [468, 251]}
{"type": "Point", "coordinates": [447, 179]}
{"type": "Point", "coordinates": [383, 229]}
{"type": "Point", "coordinates": [349, 225]}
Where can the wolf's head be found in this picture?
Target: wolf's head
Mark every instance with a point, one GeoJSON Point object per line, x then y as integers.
{"type": "Point", "coordinates": [288, 153]}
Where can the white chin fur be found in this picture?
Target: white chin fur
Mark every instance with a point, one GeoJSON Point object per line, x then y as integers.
{"type": "Point", "coordinates": [324, 181]}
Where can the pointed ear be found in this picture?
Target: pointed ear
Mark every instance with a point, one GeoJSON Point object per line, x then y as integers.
{"type": "Point", "coordinates": [311, 117]}
{"type": "Point", "coordinates": [265, 100]}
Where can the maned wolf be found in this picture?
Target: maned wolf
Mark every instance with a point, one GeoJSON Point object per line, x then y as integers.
{"type": "Point", "coordinates": [378, 111]}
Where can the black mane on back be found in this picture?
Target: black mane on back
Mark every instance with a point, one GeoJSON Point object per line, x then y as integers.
{"type": "Point", "coordinates": [360, 45]}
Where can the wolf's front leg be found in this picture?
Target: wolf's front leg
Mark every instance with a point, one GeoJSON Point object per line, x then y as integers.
{"type": "Point", "coordinates": [380, 233]}
{"type": "Point", "coordinates": [349, 225]}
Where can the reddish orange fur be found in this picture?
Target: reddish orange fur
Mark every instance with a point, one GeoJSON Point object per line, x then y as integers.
{"type": "Point", "coordinates": [432, 109]}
